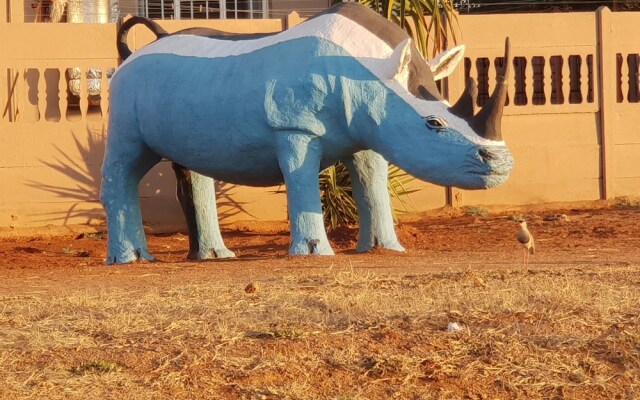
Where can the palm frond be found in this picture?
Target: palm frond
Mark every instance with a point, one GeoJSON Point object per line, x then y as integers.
{"type": "Point", "coordinates": [397, 189]}
{"type": "Point", "coordinates": [433, 22]}
{"type": "Point", "coordinates": [338, 206]}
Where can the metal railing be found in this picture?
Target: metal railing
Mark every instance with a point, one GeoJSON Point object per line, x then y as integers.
{"type": "Point", "coordinates": [204, 9]}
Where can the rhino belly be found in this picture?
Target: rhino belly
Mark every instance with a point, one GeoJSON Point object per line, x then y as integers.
{"type": "Point", "coordinates": [222, 155]}
{"type": "Point", "coordinates": [244, 169]}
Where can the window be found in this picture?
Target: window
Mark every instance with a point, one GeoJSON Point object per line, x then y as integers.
{"type": "Point", "coordinates": [199, 9]}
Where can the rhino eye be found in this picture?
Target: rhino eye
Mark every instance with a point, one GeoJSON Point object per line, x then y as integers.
{"type": "Point", "coordinates": [435, 122]}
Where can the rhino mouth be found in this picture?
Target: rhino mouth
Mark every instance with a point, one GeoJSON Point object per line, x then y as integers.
{"type": "Point", "coordinates": [491, 165]}
{"type": "Point", "coordinates": [493, 160]}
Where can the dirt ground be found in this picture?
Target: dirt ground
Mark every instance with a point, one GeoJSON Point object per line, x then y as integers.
{"type": "Point", "coordinates": [570, 237]}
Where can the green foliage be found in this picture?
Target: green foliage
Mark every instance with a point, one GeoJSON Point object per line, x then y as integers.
{"type": "Point", "coordinates": [429, 22]}
{"type": "Point", "coordinates": [338, 206]}
{"type": "Point", "coordinates": [476, 211]}
{"type": "Point", "coordinates": [396, 185]}
{"type": "Point", "coordinates": [627, 202]}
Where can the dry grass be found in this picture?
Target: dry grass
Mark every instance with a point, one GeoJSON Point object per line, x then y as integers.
{"type": "Point", "coordinates": [341, 334]}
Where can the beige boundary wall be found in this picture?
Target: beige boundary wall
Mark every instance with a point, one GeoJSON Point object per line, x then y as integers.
{"type": "Point", "coordinates": [571, 120]}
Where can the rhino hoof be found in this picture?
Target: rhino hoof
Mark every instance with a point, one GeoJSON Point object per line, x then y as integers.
{"type": "Point", "coordinates": [311, 246]}
{"type": "Point", "coordinates": [129, 257]}
{"type": "Point", "coordinates": [224, 253]}
{"type": "Point", "coordinates": [211, 254]}
{"type": "Point", "coordinates": [395, 246]}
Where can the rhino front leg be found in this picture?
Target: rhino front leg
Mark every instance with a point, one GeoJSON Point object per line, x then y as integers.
{"type": "Point", "coordinates": [125, 163]}
{"type": "Point", "coordinates": [299, 158]}
{"type": "Point", "coordinates": [369, 174]}
{"type": "Point", "coordinates": [197, 196]}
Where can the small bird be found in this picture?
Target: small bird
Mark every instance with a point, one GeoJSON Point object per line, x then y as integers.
{"type": "Point", "coordinates": [526, 240]}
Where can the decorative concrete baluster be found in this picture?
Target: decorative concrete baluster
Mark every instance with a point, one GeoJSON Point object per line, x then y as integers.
{"type": "Point", "coordinates": [104, 92]}
{"type": "Point", "coordinates": [84, 94]}
{"type": "Point", "coordinates": [11, 95]}
{"type": "Point", "coordinates": [511, 84]}
{"type": "Point", "coordinates": [42, 95]}
{"type": "Point", "coordinates": [473, 73]}
{"type": "Point", "coordinates": [634, 73]}
{"type": "Point", "coordinates": [623, 83]}
{"type": "Point", "coordinates": [584, 78]}
{"type": "Point", "coordinates": [21, 93]}
{"type": "Point", "coordinates": [566, 80]}
{"type": "Point", "coordinates": [624, 79]}
{"type": "Point", "coordinates": [547, 82]}
{"type": "Point", "coordinates": [632, 65]}
{"type": "Point", "coordinates": [62, 94]}
{"type": "Point", "coordinates": [528, 80]}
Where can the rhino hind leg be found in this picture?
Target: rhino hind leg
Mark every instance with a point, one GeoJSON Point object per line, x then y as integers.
{"type": "Point", "coordinates": [122, 170]}
{"type": "Point", "coordinates": [197, 197]}
{"type": "Point", "coordinates": [369, 174]}
{"type": "Point", "coordinates": [299, 159]}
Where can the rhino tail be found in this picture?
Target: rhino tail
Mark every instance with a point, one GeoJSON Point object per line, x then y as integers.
{"type": "Point", "coordinates": [123, 48]}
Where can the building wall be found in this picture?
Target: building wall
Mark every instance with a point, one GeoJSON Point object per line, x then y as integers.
{"type": "Point", "coordinates": [307, 8]}
{"type": "Point", "coordinates": [570, 122]}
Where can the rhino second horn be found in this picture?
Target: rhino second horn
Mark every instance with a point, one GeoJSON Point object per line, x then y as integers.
{"type": "Point", "coordinates": [488, 121]}
{"type": "Point", "coordinates": [464, 107]}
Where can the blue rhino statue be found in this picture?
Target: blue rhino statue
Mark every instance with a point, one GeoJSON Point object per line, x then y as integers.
{"type": "Point", "coordinates": [265, 109]}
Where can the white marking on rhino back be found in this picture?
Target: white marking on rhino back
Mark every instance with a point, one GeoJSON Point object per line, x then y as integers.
{"type": "Point", "coordinates": [356, 40]}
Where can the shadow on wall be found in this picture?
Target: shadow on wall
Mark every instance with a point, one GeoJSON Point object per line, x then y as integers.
{"type": "Point", "coordinates": [78, 189]}
{"type": "Point", "coordinates": [230, 207]}
{"type": "Point", "coordinates": [84, 173]}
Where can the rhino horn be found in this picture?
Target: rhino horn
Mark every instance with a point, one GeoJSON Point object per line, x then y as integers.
{"type": "Point", "coordinates": [464, 106]}
{"type": "Point", "coordinates": [488, 121]}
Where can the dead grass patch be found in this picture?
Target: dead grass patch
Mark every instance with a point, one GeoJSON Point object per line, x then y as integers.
{"type": "Point", "coordinates": [343, 333]}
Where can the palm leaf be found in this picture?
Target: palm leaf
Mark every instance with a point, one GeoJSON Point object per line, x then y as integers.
{"type": "Point", "coordinates": [433, 21]}
{"type": "Point", "coordinates": [397, 189]}
{"type": "Point", "coordinates": [338, 206]}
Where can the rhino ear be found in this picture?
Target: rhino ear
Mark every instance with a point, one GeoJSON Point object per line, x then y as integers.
{"type": "Point", "coordinates": [397, 64]}
{"type": "Point", "coordinates": [444, 64]}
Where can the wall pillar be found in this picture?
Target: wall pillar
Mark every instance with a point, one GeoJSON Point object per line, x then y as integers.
{"type": "Point", "coordinates": [15, 11]}
{"type": "Point", "coordinates": [292, 20]}
{"type": "Point", "coordinates": [606, 61]}
{"type": "Point", "coordinates": [4, 11]}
